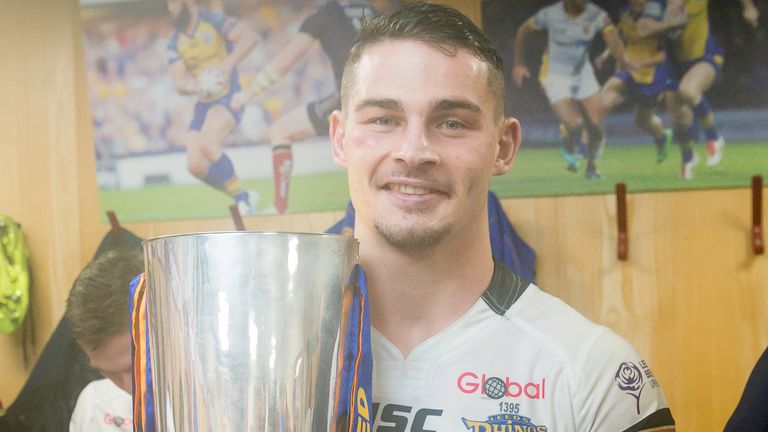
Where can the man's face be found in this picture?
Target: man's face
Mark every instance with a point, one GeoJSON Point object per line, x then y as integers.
{"type": "Point", "coordinates": [577, 5]}
{"type": "Point", "coordinates": [113, 360]}
{"type": "Point", "coordinates": [175, 7]}
{"type": "Point", "coordinates": [420, 139]}
{"type": "Point", "coordinates": [180, 13]}
{"type": "Point", "coordinates": [637, 6]}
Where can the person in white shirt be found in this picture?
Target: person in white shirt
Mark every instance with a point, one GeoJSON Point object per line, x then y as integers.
{"type": "Point", "coordinates": [460, 342]}
{"type": "Point", "coordinates": [566, 74]}
{"type": "Point", "coordinates": [97, 311]}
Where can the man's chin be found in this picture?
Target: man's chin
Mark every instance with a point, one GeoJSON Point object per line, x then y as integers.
{"type": "Point", "coordinates": [412, 238]}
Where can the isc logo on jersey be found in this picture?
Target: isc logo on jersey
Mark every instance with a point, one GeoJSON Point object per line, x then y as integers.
{"type": "Point", "coordinates": [504, 423]}
{"type": "Point", "coordinates": [497, 388]}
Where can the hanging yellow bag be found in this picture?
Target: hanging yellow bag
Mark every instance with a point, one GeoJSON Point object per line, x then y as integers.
{"type": "Point", "coordinates": [14, 275]}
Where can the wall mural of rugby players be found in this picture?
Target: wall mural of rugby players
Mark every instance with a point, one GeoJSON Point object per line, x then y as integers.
{"type": "Point", "coordinates": [200, 104]}
{"type": "Point", "coordinates": [660, 94]}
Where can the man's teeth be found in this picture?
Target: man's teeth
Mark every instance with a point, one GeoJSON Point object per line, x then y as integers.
{"type": "Point", "coordinates": [411, 190]}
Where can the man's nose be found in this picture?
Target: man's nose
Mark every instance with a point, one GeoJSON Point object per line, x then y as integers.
{"type": "Point", "coordinates": [417, 146]}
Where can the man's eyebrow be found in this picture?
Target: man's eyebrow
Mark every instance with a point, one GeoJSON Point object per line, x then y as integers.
{"type": "Point", "coordinates": [387, 104]}
{"type": "Point", "coordinates": [454, 104]}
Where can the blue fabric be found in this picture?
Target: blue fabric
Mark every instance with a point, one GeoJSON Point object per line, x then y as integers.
{"type": "Point", "coordinates": [220, 172]}
{"type": "Point", "coordinates": [506, 244]}
{"type": "Point", "coordinates": [647, 95]}
{"type": "Point", "coordinates": [143, 393]}
{"type": "Point", "coordinates": [354, 374]}
{"type": "Point", "coordinates": [751, 414]}
{"type": "Point", "coordinates": [703, 108]}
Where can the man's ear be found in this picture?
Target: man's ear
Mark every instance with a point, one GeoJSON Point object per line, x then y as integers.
{"type": "Point", "coordinates": [336, 132]}
{"type": "Point", "coordinates": [509, 142]}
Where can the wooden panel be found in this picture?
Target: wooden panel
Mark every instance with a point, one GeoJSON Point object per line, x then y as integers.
{"type": "Point", "coordinates": [37, 131]}
{"type": "Point", "coordinates": [692, 298]}
{"type": "Point", "coordinates": [311, 222]}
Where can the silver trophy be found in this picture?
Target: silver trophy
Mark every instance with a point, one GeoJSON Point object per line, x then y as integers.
{"type": "Point", "coordinates": [243, 327]}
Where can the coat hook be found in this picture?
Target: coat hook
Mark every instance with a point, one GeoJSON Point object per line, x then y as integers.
{"type": "Point", "coordinates": [621, 220]}
{"type": "Point", "coordinates": [758, 245]}
{"type": "Point", "coordinates": [236, 217]}
{"type": "Point", "coordinates": [117, 230]}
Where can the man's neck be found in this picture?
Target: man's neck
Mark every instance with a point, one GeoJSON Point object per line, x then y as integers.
{"type": "Point", "coordinates": [572, 11]}
{"type": "Point", "coordinates": [414, 296]}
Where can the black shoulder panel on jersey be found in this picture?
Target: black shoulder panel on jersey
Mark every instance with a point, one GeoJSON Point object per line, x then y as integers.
{"type": "Point", "coordinates": [505, 288]}
{"type": "Point", "coordinates": [660, 421]}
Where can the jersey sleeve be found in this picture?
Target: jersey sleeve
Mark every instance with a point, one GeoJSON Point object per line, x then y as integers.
{"type": "Point", "coordinates": [653, 10]}
{"type": "Point", "coordinates": [541, 19]}
{"type": "Point", "coordinates": [603, 20]}
{"type": "Point", "coordinates": [617, 391]}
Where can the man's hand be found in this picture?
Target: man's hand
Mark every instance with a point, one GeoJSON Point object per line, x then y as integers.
{"type": "Point", "coordinates": [519, 73]}
{"type": "Point", "coordinates": [602, 60]}
{"type": "Point", "coordinates": [676, 14]}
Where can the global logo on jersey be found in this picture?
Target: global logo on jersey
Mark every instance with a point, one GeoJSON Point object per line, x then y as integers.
{"type": "Point", "coordinates": [503, 423]}
{"type": "Point", "coordinates": [498, 387]}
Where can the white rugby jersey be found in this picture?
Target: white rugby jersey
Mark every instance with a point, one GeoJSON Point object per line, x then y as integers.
{"type": "Point", "coordinates": [569, 38]}
{"type": "Point", "coordinates": [519, 360]}
{"type": "Point", "coordinates": [102, 406]}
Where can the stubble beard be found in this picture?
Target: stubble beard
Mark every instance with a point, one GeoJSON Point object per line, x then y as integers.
{"type": "Point", "coordinates": [412, 239]}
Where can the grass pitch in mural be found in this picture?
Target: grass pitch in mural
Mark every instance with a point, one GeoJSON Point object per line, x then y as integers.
{"type": "Point", "coordinates": [603, 99]}
{"type": "Point", "coordinates": [199, 104]}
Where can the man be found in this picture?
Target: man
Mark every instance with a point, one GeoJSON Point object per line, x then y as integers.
{"type": "Point", "coordinates": [459, 341]}
{"type": "Point", "coordinates": [643, 26]}
{"type": "Point", "coordinates": [334, 26]}
{"type": "Point", "coordinates": [697, 62]}
{"type": "Point", "coordinates": [204, 51]}
{"type": "Point", "coordinates": [97, 310]}
{"type": "Point", "coordinates": [567, 75]}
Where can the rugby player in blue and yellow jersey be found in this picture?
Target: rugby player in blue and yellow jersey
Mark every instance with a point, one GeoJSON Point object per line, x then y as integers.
{"type": "Point", "coordinates": [697, 61]}
{"type": "Point", "coordinates": [206, 47]}
{"type": "Point", "coordinates": [643, 26]}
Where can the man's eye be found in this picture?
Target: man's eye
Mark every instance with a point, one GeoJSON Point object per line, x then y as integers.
{"type": "Point", "coordinates": [383, 121]}
{"type": "Point", "coordinates": [453, 125]}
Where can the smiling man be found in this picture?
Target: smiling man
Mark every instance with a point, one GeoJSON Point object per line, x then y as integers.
{"type": "Point", "coordinates": [459, 341]}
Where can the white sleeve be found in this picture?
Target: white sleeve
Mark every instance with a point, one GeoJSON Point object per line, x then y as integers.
{"type": "Point", "coordinates": [618, 392]}
{"type": "Point", "coordinates": [603, 20]}
{"type": "Point", "coordinates": [541, 19]}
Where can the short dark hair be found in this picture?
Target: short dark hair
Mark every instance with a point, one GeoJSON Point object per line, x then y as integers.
{"type": "Point", "coordinates": [442, 26]}
{"type": "Point", "coordinates": [97, 307]}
